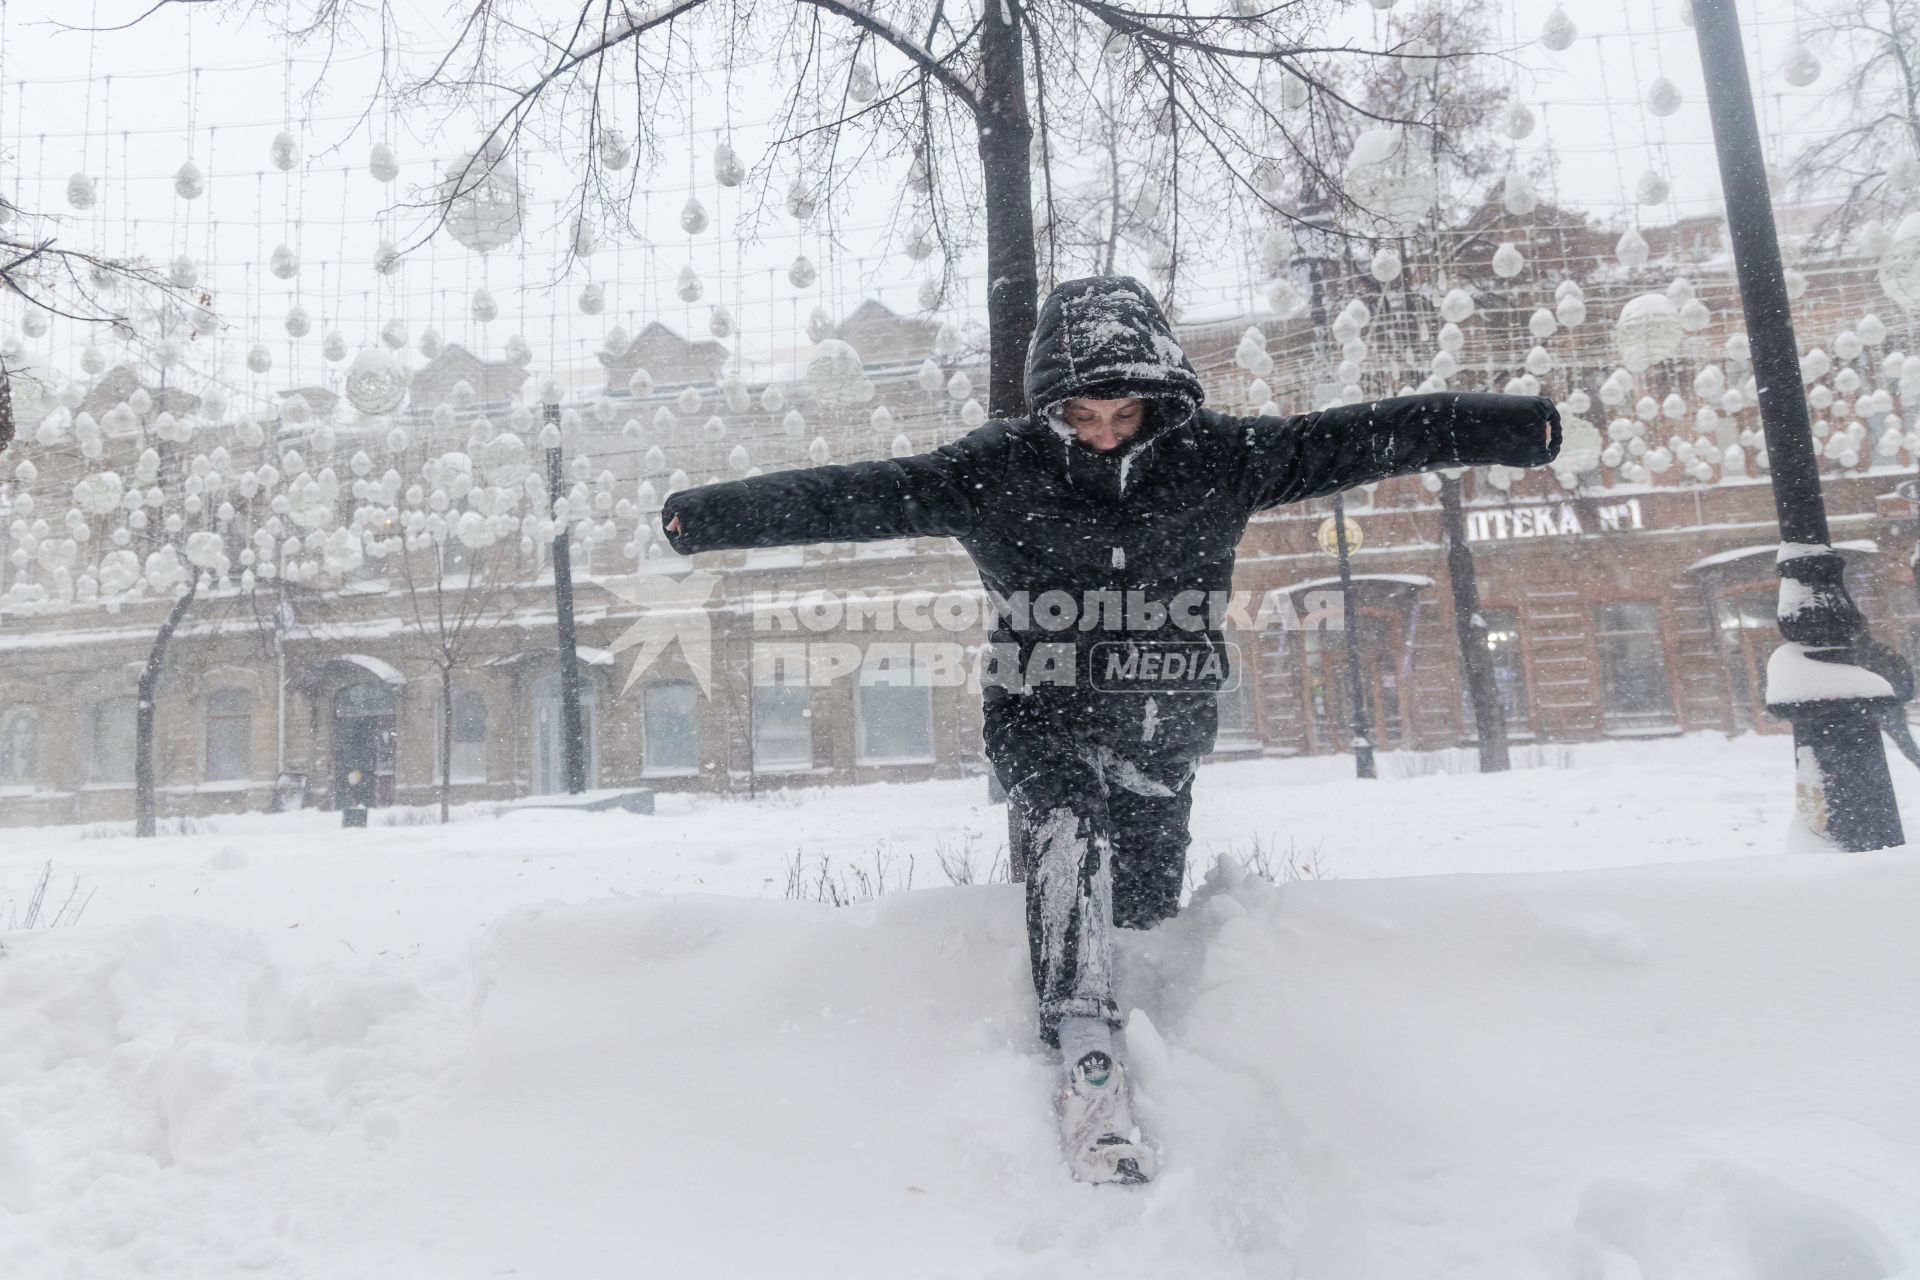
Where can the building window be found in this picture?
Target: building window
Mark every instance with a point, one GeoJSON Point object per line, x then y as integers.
{"type": "Point", "coordinates": [1509, 672]}
{"type": "Point", "coordinates": [672, 742]}
{"type": "Point", "coordinates": [229, 735]}
{"type": "Point", "coordinates": [110, 747]}
{"type": "Point", "coordinates": [469, 763]}
{"type": "Point", "coordinates": [1633, 666]}
{"type": "Point", "coordinates": [1238, 725]}
{"type": "Point", "coordinates": [893, 712]}
{"type": "Point", "coordinates": [782, 727]}
{"type": "Point", "coordinates": [19, 747]}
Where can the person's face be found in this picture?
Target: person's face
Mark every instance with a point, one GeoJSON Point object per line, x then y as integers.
{"type": "Point", "coordinates": [1105, 425]}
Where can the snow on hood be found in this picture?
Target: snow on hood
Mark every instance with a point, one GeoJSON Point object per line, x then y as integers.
{"type": "Point", "coordinates": [1107, 332]}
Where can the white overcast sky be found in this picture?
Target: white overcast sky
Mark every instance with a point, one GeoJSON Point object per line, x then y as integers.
{"type": "Point", "coordinates": [187, 82]}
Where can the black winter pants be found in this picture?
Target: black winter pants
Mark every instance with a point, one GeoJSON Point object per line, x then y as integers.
{"type": "Point", "coordinates": [1098, 822]}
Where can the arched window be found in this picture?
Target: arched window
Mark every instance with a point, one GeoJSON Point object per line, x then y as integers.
{"type": "Point", "coordinates": [229, 735]}
{"type": "Point", "coordinates": [19, 747]}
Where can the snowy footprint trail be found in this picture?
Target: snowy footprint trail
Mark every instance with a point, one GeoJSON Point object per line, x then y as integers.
{"type": "Point", "coordinates": [1694, 1071]}
{"type": "Point", "coordinates": [1685, 1072]}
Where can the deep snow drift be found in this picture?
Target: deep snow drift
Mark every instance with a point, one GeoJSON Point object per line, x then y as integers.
{"type": "Point", "coordinates": [1695, 1071]}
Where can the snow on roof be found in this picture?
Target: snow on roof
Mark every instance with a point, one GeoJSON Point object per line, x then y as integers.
{"type": "Point", "coordinates": [1865, 546]}
{"type": "Point", "coordinates": [378, 668]}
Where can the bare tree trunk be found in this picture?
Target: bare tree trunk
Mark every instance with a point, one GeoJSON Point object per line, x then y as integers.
{"type": "Point", "coordinates": [1005, 140]}
{"type": "Point", "coordinates": [145, 814]}
{"type": "Point", "coordinates": [1489, 720]}
{"type": "Point", "coordinates": [446, 738]}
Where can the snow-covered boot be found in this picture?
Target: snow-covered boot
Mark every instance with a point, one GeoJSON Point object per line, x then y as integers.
{"type": "Point", "coordinates": [1097, 1132]}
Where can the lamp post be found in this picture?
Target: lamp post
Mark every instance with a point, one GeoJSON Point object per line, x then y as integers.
{"type": "Point", "coordinates": [1829, 679]}
{"type": "Point", "coordinates": [574, 738]}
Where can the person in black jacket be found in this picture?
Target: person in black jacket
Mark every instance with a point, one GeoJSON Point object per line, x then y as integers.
{"type": "Point", "coordinates": [1103, 523]}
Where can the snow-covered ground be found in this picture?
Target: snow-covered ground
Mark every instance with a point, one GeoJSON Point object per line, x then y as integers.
{"type": "Point", "coordinates": [1645, 1043]}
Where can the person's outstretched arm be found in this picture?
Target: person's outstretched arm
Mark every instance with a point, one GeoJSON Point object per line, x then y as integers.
{"type": "Point", "coordinates": [1314, 454]}
{"type": "Point", "coordinates": [927, 495]}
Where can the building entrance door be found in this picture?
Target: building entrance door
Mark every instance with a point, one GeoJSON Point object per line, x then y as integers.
{"type": "Point", "coordinates": [1381, 635]}
{"type": "Point", "coordinates": [363, 733]}
{"type": "Point", "coordinates": [1749, 633]}
{"type": "Point", "coordinates": [549, 735]}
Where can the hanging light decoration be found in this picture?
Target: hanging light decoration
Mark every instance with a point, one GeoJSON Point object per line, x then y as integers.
{"type": "Point", "coordinates": [333, 347]}
{"type": "Point", "coordinates": [185, 272]}
{"type": "Point", "coordinates": [801, 200]}
{"type": "Point", "coordinates": [720, 322]}
{"type": "Point", "coordinates": [188, 182]}
{"type": "Point", "coordinates": [1390, 177]}
{"type": "Point", "coordinates": [1385, 266]}
{"type": "Point", "coordinates": [285, 151]}
{"type": "Point", "coordinates": [375, 382]}
{"type": "Point", "coordinates": [1648, 330]}
{"type": "Point", "coordinates": [483, 201]}
{"type": "Point", "coordinates": [518, 351]}
{"type": "Point", "coordinates": [1900, 264]}
{"type": "Point", "coordinates": [693, 216]}
{"type": "Point", "coordinates": [386, 258]}
{"type": "Point", "coordinates": [1800, 67]}
{"type": "Point", "coordinates": [687, 285]}
{"type": "Point", "coordinates": [1517, 194]}
{"type": "Point", "coordinates": [1652, 188]}
{"type": "Point", "coordinates": [382, 163]}
{"type": "Point", "coordinates": [298, 323]}
{"type": "Point", "coordinates": [727, 169]}
{"type": "Point", "coordinates": [614, 151]}
{"type": "Point", "coordinates": [1456, 306]}
{"type": "Point", "coordinates": [862, 82]}
{"type": "Point", "coordinates": [1663, 97]}
{"type": "Point", "coordinates": [801, 274]}
{"type": "Point", "coordinates": [1632, 249]}
{"type": "Point", "coordinates": [1508, 261]}
{"type": "Point", "coordinates": [430, 343]}
{"type": "Point", "coordinates": [394, 333]}
{"type": "Point", "coordinates": [485, 309]}
{"type": "Point", "coordinates": [1517, 120]}
{"type": "Point", "coordinates": [80, 192]}
{"type": "Point", "coordinates": [1557, 33]}
{"type": "Point", "coordinates": [259, 359]}
{"type": "Point", "coordinates": [283, 263]}
{"type": "Point", "coordinates": [837, 376]}
{"type": "Point", "coordinates": [592, 300]}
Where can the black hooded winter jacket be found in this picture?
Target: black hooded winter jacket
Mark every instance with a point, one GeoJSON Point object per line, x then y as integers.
{"type": "Point", "coordinates": [1160, 517]}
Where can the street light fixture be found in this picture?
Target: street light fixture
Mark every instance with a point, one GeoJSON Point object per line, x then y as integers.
{"type": "Point", "coordinates": [1829, 678]}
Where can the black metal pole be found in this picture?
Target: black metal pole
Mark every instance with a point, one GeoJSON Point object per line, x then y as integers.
{"type": "Point", "coordinates": [1350, 621]}
{"type": "Point", "coordinates": [575, 736]}
{"type": "Point", "coordinates": [1845, 792]}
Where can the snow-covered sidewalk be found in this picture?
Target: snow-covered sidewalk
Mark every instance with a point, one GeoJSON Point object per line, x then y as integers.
{"type": "Point", "coordinates": [579, 1045]}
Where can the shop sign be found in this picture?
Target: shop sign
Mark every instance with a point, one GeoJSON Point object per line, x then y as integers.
{"type": "Point", "coordinates": [1552, 520]}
